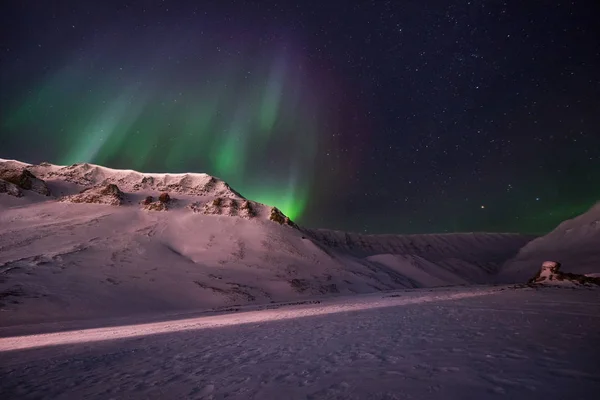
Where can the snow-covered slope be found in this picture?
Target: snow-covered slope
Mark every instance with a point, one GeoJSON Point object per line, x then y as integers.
{"type": "Point", "coordinates": [434, 344]}
{"type": "Point", "coordinates": [456, 258]}
{"type": "Point", "coordinates": [574, 243]}
{"type": "Point", "coordinates": [110, 242]}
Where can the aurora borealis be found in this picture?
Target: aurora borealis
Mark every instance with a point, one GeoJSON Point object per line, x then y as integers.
{"type": "Point", "coordinates": [233, 105]}
{"type": "Point", "coordinates": [375, 117]}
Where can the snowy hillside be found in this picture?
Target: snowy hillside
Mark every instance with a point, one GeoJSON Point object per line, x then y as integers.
{"type": "Point", "coordinates": [574, 243]}
{"type": "Point", "coordinates": [457, 258]}
{"type": "Point", "coordinates": [104, 242]}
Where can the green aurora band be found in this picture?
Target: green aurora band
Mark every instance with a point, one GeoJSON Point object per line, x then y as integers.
{"type": "Point", "coordinates": [254, 124]}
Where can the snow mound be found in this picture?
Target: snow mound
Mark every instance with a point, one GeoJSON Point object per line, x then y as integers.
{"type": "Point", "coordinates": [109, 194]}
{"type": "Point", "coordinates": [575, 242]}
{"type": "Point", "coordinates": [550, 275]}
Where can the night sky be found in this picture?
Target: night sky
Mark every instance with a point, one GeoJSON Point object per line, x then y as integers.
{"type": "Point", "coordinates": [368, 116]}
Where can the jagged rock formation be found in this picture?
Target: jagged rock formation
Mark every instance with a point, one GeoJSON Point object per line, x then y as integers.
{"type": "Point", "coordinates": [10, 189]}
{"type": "Point", "coordinates": [280, 218]}
{"type": "Point", "coordinates": [108, 194]}
{"type": "Point", "coordinates": [550, 274]}
{"type": "Point", "coordinates": [23, 179]}
{"type": "Point", "coordinates": [164, 197]}
{"type": "Point", "coordinates": [132, 181]}
{"type": "Point", "coordinates": [147, 200]}
{"type": "Point", "coordinates": [216, 196]}
{"type": "Point", "coordinates": [162, 204]}
{"type": "Point", "coordinates": [226, 206]}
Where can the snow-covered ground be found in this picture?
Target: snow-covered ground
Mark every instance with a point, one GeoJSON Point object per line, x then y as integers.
{"type": "Point", "coordinates": [445, 343]}
{"type": "Point", "coordinates": [96, 247]}
{"type": "Point", "coordinates": [109, 289]}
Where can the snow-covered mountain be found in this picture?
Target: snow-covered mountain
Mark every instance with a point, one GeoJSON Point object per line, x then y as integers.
{"type": "Point", "coordinates": [575, 244]}
{"type": "Point", "coordinates": [84, 240]}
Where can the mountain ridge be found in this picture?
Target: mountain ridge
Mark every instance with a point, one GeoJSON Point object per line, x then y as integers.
{"type": "Point", "coordinates": [206, 247]}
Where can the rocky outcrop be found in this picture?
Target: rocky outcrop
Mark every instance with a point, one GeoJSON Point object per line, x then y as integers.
{"type": "Point", "coordinates": [240, 208]}
{"type": "Point", "coordinates": [164, 198]}
{"type": "Point", "coordinates": [105, 194]}
{"type": "Point", "coordinates": [280, 218]}
{"type": "Point", "coordinates": [156, 206]}
{"type": "Point", "coordinates": [85, 174]}
{"type": "Point", "coordinates": [24, 179]}
{"type": "Point", "coordinates": [148, 200]}
{"type": "Point", "coordinates": [225, 206]}
{"type": "Point", "coordinates": [10, 189]}
{"type": "Point", "coordinates": [162, 204]}
{"type": "Point", "coordinates": [550, 274]}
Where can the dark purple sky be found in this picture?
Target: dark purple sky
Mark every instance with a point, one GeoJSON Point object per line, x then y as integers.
{"type": "Point", "coordinates": [376, 116]}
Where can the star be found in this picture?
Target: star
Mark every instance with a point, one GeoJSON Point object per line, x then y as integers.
{"type": "Point", "coordinates": [321, 119]}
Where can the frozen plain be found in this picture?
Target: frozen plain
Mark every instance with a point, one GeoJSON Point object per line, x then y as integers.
{"type": "Point", "coordinates": [102, 301]}
{"type": "Point", "coordinates": [445, 343]}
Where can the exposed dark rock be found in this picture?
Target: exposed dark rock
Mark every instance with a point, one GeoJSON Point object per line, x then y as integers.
{"type": "Point", "coordinates": [156, 206]}
{"type": "Point", "coordinates": [550, 274]}
{"type": "Point", "coordinates": [10, 189]}
{"type": "Point", "coordinates": [280, 218]}
{"type": "Point", "coordinates": [163, 203]}
{"type": "Point", "coordinates": [148, 200]}
{"type": "Point", "coordinates": [247, 210]}
{"type": "Point", "coordinates": [225, 206]}
{"type": "Point", "coordinates": [300, 285]}
{"type": "Point", "coordinates": [105, 194]}
{"type": "Point", "coordinates": [24, 179]}
{"type": "Point", "coordinates": [164, 197]}
{"type": "Point", "coordinates": [111, 190]}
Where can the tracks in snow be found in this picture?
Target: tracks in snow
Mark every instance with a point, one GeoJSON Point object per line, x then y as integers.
{"type": "Point", "coordinates": [207, 322]}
